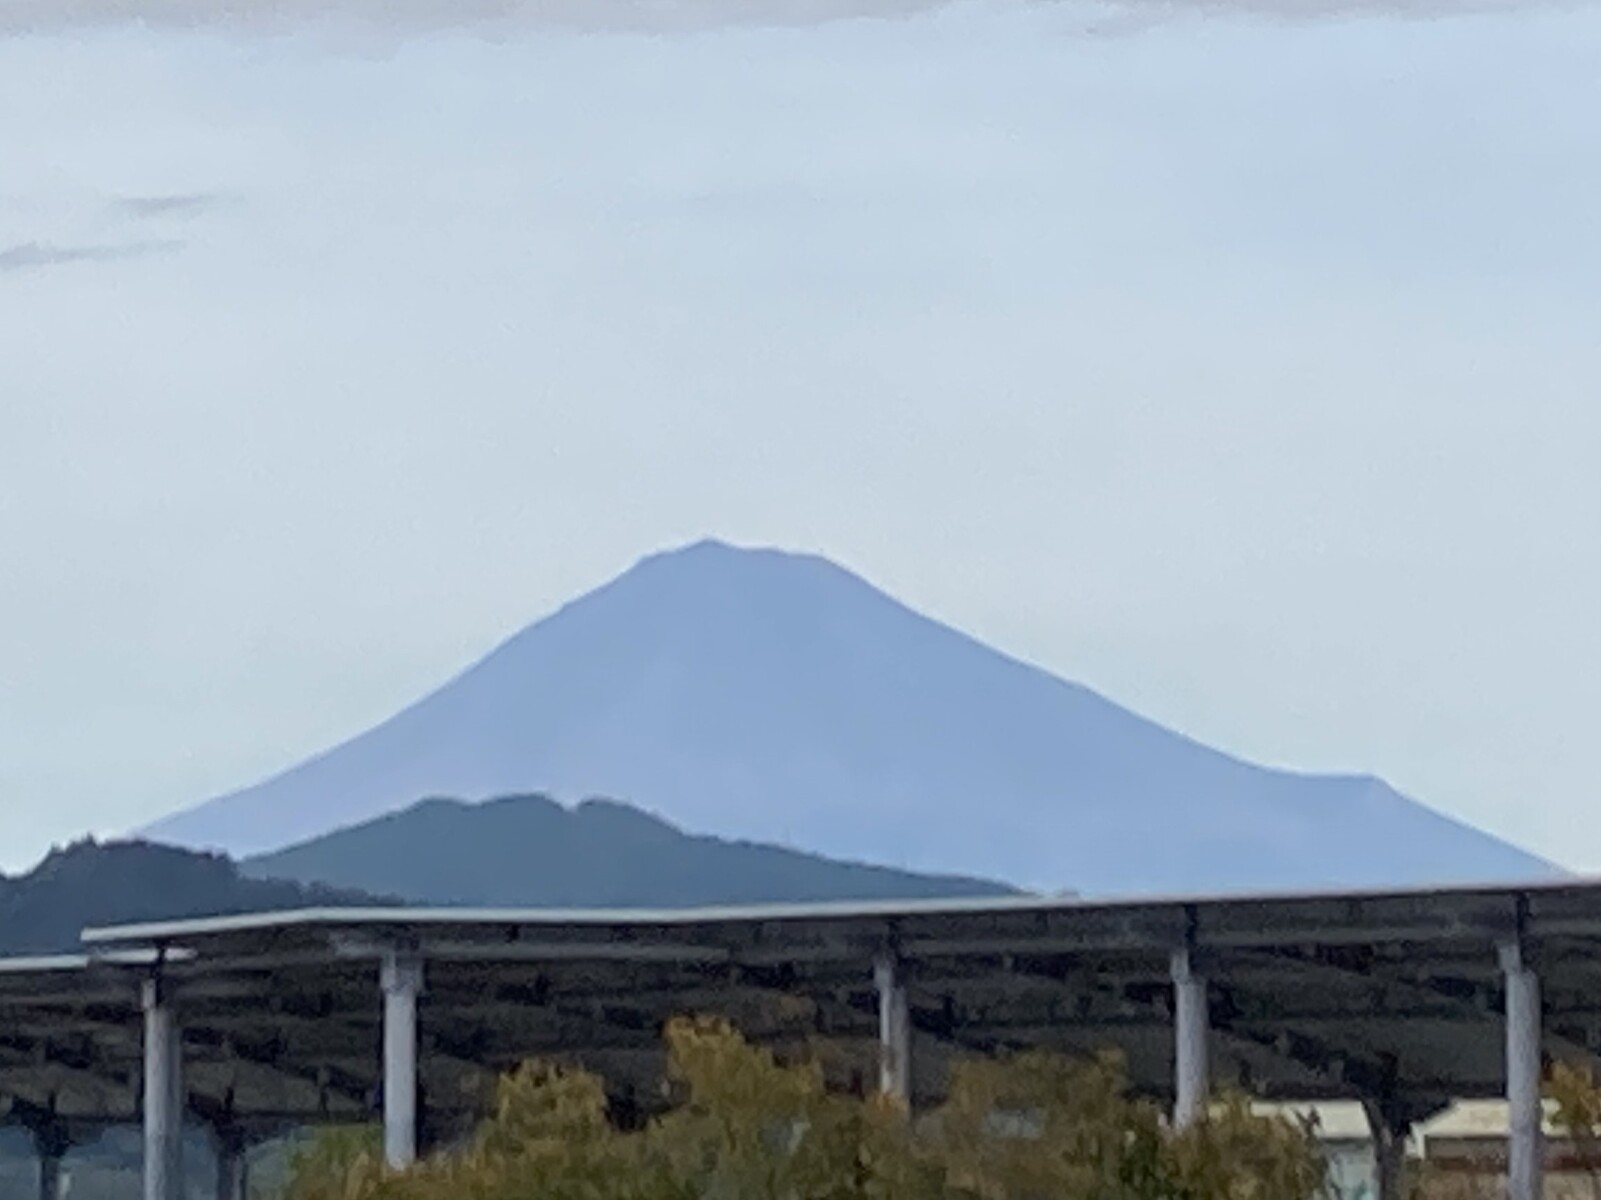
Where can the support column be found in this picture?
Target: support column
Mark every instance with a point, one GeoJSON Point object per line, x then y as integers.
{"type": "Point", "coordinates": [402, 978]}
{"type": "Point", "coordinates": [163, 1095]}
{"type": "Point", "coordinates": [1389, 1165]}
{"type": "Point", "coordinates": [1191, 1035]}
{"type": "Point", "coordinates": [1390, 1133]}
{"type": "Point", "coordinates": [894, 1030]}
{"type": "Point", "coordinates": [1525, 1109]}
{"type": "Point", "coordinates": [49, 1177]}
{"type": "Point", "coordinates": [51, 1143]}
{"type": "Point", "coordinates": [232, 1179]}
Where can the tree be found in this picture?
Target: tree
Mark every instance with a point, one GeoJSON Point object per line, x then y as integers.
{"type": "Point", "coordinates": [1041, 1125]}
{"type": "Point", "coordinates": [339, 1164]}
{"type": "Point", "coordinates": [1239, 1154]}
{"type": "Point", "coordinates": [1576, 1100]}
{"type": "Point", "coordinates": [741, 1125]}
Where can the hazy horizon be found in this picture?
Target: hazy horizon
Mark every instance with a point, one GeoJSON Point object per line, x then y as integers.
{"type": "Point", "coordinates": [1234, 365]}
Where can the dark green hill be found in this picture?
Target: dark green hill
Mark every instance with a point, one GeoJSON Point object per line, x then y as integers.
{"type": "Point", "coordinates": [529, 851]}
{"type": "Point", "coordinates": [90, 883]}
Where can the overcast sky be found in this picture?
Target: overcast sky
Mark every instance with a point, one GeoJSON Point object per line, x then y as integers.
{"type": "Point", "coordinates": [1242, 367]}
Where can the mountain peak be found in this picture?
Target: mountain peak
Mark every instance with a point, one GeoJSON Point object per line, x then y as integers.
{"type": "Point", "coordinates": [711, 562]}
{"type": "Point", "coordinates": [713, 548]}
{"type": "Point", "coordinates": [714, 553]}
{"type": "Point", "coordinates": [771, 696]}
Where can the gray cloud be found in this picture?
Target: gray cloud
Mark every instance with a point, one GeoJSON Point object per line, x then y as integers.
{"type": "Point", "coordinates": [29, 256]}
{"type": "Point", "coordinates": [180, 205]}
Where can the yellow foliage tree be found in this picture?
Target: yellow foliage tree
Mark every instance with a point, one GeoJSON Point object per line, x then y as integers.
{"type": "Point", "coordinates": [1040, 1125]}
{"type": "Point", "coordinates": [744, 1126]}
{"type": "Point", "coordinates": [1237, 1153]}
{"type": "Point", "coordinates": [1576, 1098]}
{"type": "Point", "coordinates": [339, 1164]}
{"type": "Point", "coordinates": [749, 1128]}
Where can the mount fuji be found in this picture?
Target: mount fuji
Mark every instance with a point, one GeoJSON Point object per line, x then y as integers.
{"type": "Point", "coordinates": [776, 697]}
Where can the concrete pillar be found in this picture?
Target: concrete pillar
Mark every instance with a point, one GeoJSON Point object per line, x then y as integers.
{"type": "Point", "coordinates": [232, 1178]}
{"type": "Point", "coordinates": [1191, 1035]}
{"type": "Point", "coordinates": [402, 979]}
{"type": "Point", "coordinates": [49, 1177]}
{"type": "Point", "coordinates": [1389, 1166]}
{"type": "Point", "coordinates": [894, 1030]}
{"type": "Point", "coordinates": [1390, 1133]}
{"type": "Point", "coordinates": [51, 1143]}
{"type": "Point", "coordinates": [163, 1095]}
{"type": "Point", "coordinates": [1525, 1109]}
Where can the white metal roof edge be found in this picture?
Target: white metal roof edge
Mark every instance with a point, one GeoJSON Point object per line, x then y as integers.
{"type": "Point", "coordinates": [40, 964]}
{"type": "Point", "coordinates": [157, 931]}
{"type": "Point", "coordinates": [45, 964]}
{"type": "Point", "coordinates": [164, 931]}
